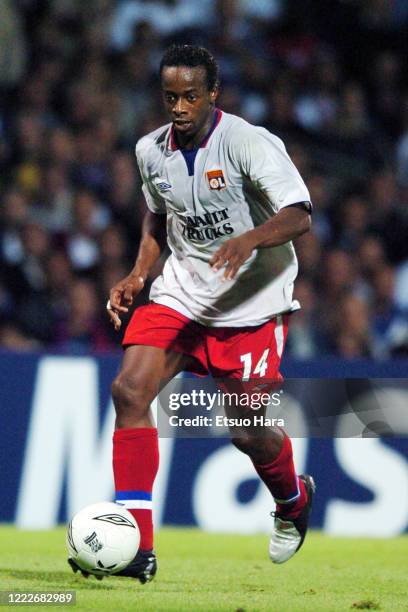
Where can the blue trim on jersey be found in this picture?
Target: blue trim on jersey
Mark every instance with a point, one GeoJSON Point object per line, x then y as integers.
{"type": "Point", "coordinates": [123, 495]}
{"type": "Point", "coordinates": [189, 157]}
{"type": "Point", "coordinates": [191, 154]}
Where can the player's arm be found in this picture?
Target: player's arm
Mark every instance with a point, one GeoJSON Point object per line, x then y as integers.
{"type": "Point", "coordinates": [262, 158]}
{"type": "Point", "coordinates": [151, 246]}
{"type": "Point", "coordinates": [289, 223]}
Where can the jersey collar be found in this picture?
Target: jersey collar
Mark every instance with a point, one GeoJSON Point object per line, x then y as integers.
{"type": "Point", "coordinates": [203, 143]}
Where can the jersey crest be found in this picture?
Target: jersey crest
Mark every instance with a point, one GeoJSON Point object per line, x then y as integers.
{"type": "Point", "coordinates": [216, 179]}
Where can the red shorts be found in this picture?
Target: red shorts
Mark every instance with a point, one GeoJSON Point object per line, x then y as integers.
{"type": "Point", "coordinates": [224, 352]}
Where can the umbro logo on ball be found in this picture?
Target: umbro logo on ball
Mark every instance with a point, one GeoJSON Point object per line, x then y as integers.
{"type": "Point", "coordinates": [116, 519]}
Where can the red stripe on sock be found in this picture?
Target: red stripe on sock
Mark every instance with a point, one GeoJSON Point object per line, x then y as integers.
{"type": "Point", "coordinates": [135, 465]}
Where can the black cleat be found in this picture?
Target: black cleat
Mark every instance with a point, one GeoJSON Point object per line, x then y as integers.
{"type": "Point", "coordinates": [302, 521]}
{"type": "Point", "coordinates": [143, 567]}
{"type": "Point", "coordinates": [85, 574]}
{"type": "Point", "coordinates": [289, 534]}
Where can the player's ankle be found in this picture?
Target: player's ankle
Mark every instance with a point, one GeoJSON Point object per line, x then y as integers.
{"type": "Point", "coordinates": [294, 509]}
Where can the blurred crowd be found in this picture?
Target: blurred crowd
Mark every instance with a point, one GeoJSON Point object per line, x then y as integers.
{"type": "Point", "coordinates": [79, 86]}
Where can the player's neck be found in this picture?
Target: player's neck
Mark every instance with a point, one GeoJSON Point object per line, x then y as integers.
{"type": "Point", "coordinates": [194, 140]}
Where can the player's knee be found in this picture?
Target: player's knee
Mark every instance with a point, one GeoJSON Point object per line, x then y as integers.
{"type": "Point", "coordinates": [255, 447]}
{"type": "Point", "coordinates": [243, 443]}
{"type": "Point", "coordinates": [130, 395]}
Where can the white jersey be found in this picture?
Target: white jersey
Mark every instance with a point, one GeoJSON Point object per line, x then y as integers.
{"type": "Point", "coordinates": [238, 178]}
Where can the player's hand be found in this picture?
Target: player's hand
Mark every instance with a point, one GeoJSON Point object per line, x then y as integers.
{"type": "Point", "coordinates": [232, 254]}
{"type": "Point", "coordinates": [121, 297]}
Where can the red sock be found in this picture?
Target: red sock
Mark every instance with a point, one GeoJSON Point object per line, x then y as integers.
{"type": "Point", "coordinates": [135, 464]}
{"type": "Point", "coordinates": [282, 481]}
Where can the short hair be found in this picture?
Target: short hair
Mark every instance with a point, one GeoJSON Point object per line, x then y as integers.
{"type": "Point", "coordinates": [192, 56]}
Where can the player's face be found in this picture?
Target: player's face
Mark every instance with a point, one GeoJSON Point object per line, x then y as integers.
{"type": "Point", "coordinates": [188, 101]}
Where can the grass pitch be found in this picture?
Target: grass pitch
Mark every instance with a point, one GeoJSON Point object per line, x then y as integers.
{"type": "Point", "coordinates": [202, 572]}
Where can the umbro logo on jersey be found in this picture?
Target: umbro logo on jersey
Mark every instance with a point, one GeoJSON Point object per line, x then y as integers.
{"type": "Point", "coordinates": [216, 179]}
{"type": "Point", "coordinates": [163, 186]}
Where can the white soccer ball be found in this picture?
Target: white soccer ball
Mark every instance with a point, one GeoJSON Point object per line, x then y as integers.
{"type": "Point", "coordinates": [103, 538]}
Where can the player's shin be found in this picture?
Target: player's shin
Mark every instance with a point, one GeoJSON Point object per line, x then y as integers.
{"type": "Point", "coordinates": [279, 475]}
{"type": "Point", "coordinates": [135, 465]}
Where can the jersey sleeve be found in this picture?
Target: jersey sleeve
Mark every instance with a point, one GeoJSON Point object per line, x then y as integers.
{"type": "Point", "coordinates": [154, 202]}
{"type": "Point", "coordinates": [265, 161]}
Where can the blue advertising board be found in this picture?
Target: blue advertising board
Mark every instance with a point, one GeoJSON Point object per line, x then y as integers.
{"type": "Point", "coordinates": [56, 428]}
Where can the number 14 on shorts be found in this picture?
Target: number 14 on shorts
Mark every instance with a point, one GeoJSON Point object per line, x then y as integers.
{"type": "Point", "coordinates": [260, 367]}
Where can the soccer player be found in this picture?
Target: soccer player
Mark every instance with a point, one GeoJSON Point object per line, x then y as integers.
{"type": "Point", "coordinates": [226, 198]}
